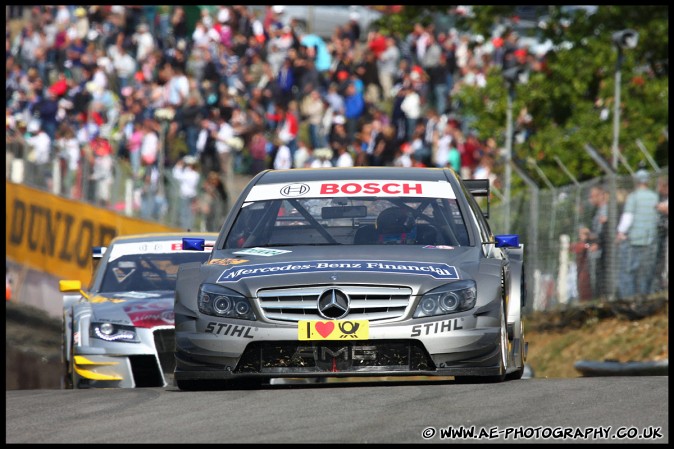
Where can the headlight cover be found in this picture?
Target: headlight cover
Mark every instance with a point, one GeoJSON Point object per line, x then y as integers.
{"type": "Point", "coordinates": [113, 332]}
{"type": "Point", "coordinates": [450, 298]}
{"type": "Point", "coordinates": [219, 301]}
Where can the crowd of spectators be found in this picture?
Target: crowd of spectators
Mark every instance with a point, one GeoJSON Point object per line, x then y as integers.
{"type": "Point", "coordinates": [234, 90]}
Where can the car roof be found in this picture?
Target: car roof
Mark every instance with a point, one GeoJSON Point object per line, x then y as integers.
{"type": "Point", "coordinates": [161, 237]}
{"type": "Point", "coordinates": [342, 173]}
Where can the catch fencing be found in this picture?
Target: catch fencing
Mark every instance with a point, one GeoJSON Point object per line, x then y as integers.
{"type": "Point", "coordinates": [561, 268]}
{"type": "Point", "coordinates": [567, 263]}
{"type": "Point", "coordinates": [127, 196]}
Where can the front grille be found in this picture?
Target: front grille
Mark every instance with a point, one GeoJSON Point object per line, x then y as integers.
{"type": "Point", "coordinates": [354, 356]}
{"type": "Point", "coordinates": [367, 303]}
{"type": "Point", "coordinates": [165, 342]}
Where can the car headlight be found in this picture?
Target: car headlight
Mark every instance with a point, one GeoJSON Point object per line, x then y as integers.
{"type": "Point", "coordinates": [219, 301]}
{"type": "Point", "coordinates": [114, 332]}
{"type": "Point", "coordinates": [455, 297]}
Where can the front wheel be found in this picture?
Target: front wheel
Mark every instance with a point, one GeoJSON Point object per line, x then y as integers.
{"type": "Point", "coordinates": [67, 378]}
{"type": "Point", "coordinates": [519, 372]}
{"type": "Point", "coordinates": [67, 362]}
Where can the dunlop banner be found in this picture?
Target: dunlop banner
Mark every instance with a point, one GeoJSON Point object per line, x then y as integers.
{"type": "Point", "coordinates": [55, 235]}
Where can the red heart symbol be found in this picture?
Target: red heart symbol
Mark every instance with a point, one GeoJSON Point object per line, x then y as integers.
{"type": "Point", "coordinates": [325, 329]}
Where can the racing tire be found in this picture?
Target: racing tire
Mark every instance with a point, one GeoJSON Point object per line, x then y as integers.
{"type": "Point", "coordinates": [67, 379]}
{"type": "Point", "coordinates": [67, 365]}
{"type": "Point", "coordinates": [519, 372]}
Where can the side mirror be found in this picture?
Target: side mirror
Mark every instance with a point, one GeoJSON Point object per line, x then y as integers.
{"type": "Point", "coordinates": [72, 286]}
{"type": "Point", "coordinates": [193, 244]}
{"type": "Point", "coordinates": [507, 241]}
{"type": "Point", "coordinates": [196, 244]}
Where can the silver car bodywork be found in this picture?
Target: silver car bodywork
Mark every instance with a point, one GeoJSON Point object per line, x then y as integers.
{"type": "Point", "coordinates": [293, 290]}
{"type": "Point", "coordinates": [120, 333]}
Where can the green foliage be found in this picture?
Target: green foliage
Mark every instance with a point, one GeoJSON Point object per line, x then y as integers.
{"type": "Point", "coordinates": [485, 17]}
{"type": "Point", "coordinates": [402, 23]}
{"type": "Point", "coordinates": [566, 97]}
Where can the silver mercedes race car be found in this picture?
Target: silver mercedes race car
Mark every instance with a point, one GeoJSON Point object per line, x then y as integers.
{"type": "Point", "coordinates": [368, 271]}
{"type": "Point", "coordinates": [119, 333]}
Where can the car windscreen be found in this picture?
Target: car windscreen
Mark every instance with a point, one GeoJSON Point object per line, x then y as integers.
{"type": "Point", "coordinates": [349, 221]}
{"type": "Point", "coordinates": [146, 272]}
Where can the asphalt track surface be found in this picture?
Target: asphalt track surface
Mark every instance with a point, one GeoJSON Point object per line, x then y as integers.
{"type": "Point", "coordinates": [588, 410]}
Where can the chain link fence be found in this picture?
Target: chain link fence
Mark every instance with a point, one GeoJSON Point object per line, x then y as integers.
{"type": "Point", "coordinates": [152, 196]}
{"type": "Point", "coordinates": [571, 256]}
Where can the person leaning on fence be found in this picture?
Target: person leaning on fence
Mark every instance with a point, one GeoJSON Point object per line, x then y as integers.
{"type": "Point", "coordinates": [598, 266]}
{"type": "Point", "coordinates": [39, 155]}
{"type": "Point", "coordinates": [637, 236]}
{"type": "Point", "coordinates": [187, 176]}
{"type": "Point", "coordinates": [103, 170]}
{"type": "Point", "coordinates": [581, 249]}
{"type": "Point", "coordinates": [213, 202]}
{"type": "Point", "coordinates": [70, 153]}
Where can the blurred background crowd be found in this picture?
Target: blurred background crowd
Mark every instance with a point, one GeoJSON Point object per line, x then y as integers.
{"type": "Point", "coordinates": [193, 95]}
{"type": "Point", "coordinates": [158, 111]}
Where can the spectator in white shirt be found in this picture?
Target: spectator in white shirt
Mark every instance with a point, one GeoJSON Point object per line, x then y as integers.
{"type": "Point", "coordinates": [188, 178]}
{"type": "Point", "coordinates": [344, 157]}
{"type": "Point", "coordinates": [125, 66]}
{"type": "Point", "coordinates": [283, 159]}
{"type": "Point", "coordinates": [100, 78]}
{"type": "Point", "coordinates": [411, 106]}
{"type": "Point", "coordinates": [62, 15]}
{"type": "Point", "coordinates": [441, 153]}
{"type": "Point", "coordinates": [39, 155]}
{"type": "Point", "coordinates": [69, 151]}
{"type": "Point", "coordinates": [178, 87]}
{"type": "Point", "coordinates": [144, 42]}
{"type": "Point", "coordinates": [223, 148]}
{"type": "Point", "coordinates": [335, 100]}
{"type": "Point", "coordinates": [388, 66]}
{"type": "Point", "coordinates": [302, 155]}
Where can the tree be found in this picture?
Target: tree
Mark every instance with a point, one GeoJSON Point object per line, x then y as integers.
{"type": "Point", "coordinates": [570, 96]}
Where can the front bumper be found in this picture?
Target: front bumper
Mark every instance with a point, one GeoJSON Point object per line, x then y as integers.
{"type": "Point", "coordinates": [461, 345]}
{"type": "Point", "coordinates": [126, 365]}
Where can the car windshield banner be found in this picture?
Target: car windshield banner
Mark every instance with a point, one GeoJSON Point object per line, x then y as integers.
{"type": "Point", "coordinates": [353, 188]}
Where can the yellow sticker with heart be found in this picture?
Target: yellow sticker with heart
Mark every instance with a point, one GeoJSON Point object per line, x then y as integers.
{"type": "Point", "coordinates": [333, 330]}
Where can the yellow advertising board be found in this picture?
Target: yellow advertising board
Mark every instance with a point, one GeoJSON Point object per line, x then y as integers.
{"type": "Point", "coordinates": [55, 235]}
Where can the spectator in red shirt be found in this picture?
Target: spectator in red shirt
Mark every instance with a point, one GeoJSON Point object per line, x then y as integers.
{"type": "Point", "coordinates": [471, 155]}
{"type": "Point", "coordinates": [377, 43]}
{"type": "Point", "coordinates": [287, 127]}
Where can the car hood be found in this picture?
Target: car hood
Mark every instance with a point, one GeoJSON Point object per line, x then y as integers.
{"type": "Point", "coordinates": [139, 309]}
{"type": "Point", "coordinates": [422, 266]}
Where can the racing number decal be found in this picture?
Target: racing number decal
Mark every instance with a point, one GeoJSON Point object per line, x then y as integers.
{"type": "Point", "coordinates": [333, 330]}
